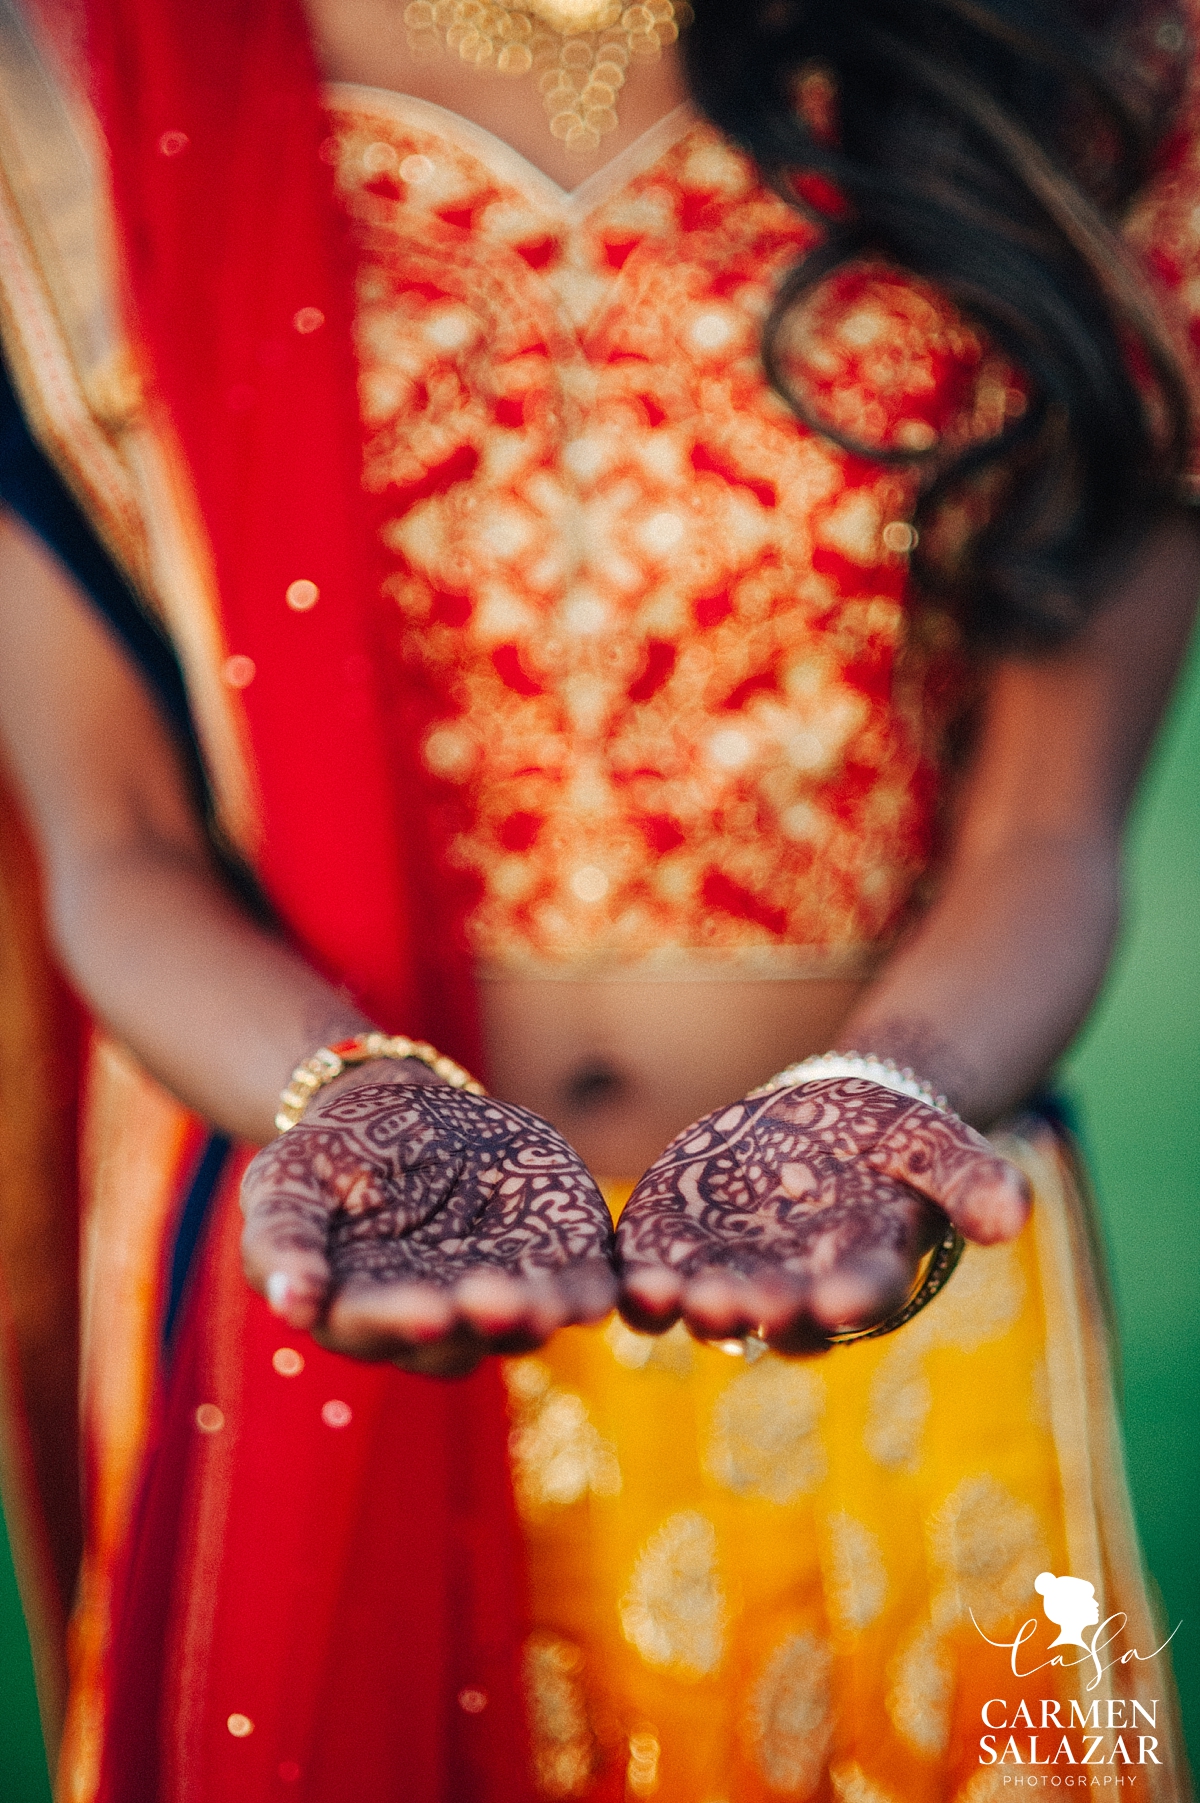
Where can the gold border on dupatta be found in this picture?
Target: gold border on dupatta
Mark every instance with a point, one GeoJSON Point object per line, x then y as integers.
{"type": "Point", "coordinates": [39, 1365]}
{"type": "Point", "coordinates": [1081, 1355]}
{"type": "Point", "coordinates": [63, 325]}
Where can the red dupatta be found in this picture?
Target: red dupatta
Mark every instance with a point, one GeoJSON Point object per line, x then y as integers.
{"type": "Point", "coordinates": [242, 285]}
{"type": "Point", "coordinates": [403, 1548]}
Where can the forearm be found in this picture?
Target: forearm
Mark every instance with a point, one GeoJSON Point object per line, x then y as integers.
{"type": "Point", "coordinates": [992, 985]}
{"type": "Point", "coordinates": [216, 1008]}
{"type": "Point", "coordinates": [996, 980]}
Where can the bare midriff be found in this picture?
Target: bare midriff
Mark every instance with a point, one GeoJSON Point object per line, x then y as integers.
{"type": "Point", "coordinates": [620, 1064]}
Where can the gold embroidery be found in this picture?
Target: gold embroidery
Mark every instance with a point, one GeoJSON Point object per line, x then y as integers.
{"type": "Point", "coordinates": [983, 1787]}
{"type": "Point", "coordinates": [558, 1454]}
{"type": "Point", "coordinates": [918, 1702]}
{"type": "Point", "coordinates": [851, 1785]}
{"type": "Point", "coordinates": [869, 344]}
{"type": "Point", "coordinates": [985, 1305]}
{"type": "Point", "coordinates": [563, 1746]}
{"type": "Point", "coordinates": [858, 1578]}
{"type": "Point", "coordinates": [899, 1408]}
{"type": "Point", "coordinates": [765, 1437]}
{"type": "Point", "coordinates": [673, 1352]}
{"type": "Point", "coordinates": [674, 1609]}
{"type": "Point", "coordinates": [641, 1774]}
{"type": "Point", "coordinates": [670, 602]}
{"type": "Point", "coordinates": [991, 1547]}
{"type": "Point", "coordinates": [982, 1303]}
{"type": "Point", "coordinates": [791, 1716]}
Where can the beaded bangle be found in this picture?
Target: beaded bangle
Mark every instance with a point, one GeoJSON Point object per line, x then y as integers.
{"type": "Point", "coordinates": [905, 1082]}
{"type": "Point", "coordinates": [330, 1061]}
{"type": "Point", "coordinates": [858, 1064]}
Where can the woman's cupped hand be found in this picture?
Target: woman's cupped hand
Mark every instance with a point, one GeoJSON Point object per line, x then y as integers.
{"type": "Point", "coordinates": [808, 1210]}
{"type": "Point", "coordinates": [402, 1219]}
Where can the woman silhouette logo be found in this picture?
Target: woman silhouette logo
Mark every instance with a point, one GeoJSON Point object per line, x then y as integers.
{"type": "Point", "coordinates": [1070, 1603]}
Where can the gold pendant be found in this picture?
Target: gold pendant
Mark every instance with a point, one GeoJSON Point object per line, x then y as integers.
{"type": "Point", "coordinates": [578, 50]}
{"type": "Point", "coordinates": [567, 16]}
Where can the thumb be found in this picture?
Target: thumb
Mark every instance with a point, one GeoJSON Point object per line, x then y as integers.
{"type": "Point", "coordinates": [987, 1198]}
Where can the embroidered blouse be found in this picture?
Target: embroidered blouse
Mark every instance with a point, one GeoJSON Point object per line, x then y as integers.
{"type": "Point", "coordinates": [677, 699]}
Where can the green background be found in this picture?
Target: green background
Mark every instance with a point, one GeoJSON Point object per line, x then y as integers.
{"type": "Point", "coordinates": [1135, 1076]}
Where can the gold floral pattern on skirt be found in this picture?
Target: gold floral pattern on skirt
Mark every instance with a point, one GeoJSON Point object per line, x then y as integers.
{"type": "Point", "coordinates": [557, 1454]}
{"type": "Point", "coordinates": [857, 1577]}
{"type": "Point", "coordinates": [918, 1703]}
{"type": "Point", "coordinates": [674, 1609]}
{"type": "Point", "coordinates": [851, 1785]}
{"type": "Point", "coordinates": [563, 1747]}
{"type": "Point", "coordinates": [764, 1438]}
{"type": "Point", "coordinates": [981, 1304]}
{"type": "Point", "coordinates": [768, 1610]}
{"type": "Point", "coordinates": [986, 1540]}
{"type": "Point", "coordinates": [791, 1715]}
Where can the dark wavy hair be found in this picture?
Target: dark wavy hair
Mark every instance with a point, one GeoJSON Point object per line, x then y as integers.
{"type": "Point", "coordinates": [990, 147]}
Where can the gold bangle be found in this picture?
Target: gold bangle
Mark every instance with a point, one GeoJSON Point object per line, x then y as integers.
{"type": "Point", "coordinates": [331, 1060]}
{"type": "Point", "coordinates": [937, 1273]}
{"type": "Point", "coordinates": [942, 1261]}
{"type": "Point", "coordinates": [905, 1082]}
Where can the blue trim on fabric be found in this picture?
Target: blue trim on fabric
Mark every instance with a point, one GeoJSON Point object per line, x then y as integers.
{"type": "Point", "coordinates": [192, 1219]}
{"type": "Point", "coordinates": [1058, 1108]}
{"type": "Point", "coordinates": [33, 489]}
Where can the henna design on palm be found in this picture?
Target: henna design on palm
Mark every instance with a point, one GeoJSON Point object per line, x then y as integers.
{"type": "Point", "coordinates": [826, 1194]}
{"type": "Point", "coordinates": [413, 1183]}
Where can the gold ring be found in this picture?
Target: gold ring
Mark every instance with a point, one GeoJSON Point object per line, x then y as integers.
{"type": "Point", "coordinates": [937, 1274]}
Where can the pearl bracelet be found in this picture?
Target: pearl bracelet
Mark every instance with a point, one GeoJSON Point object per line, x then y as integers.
{"type": "Point", "coordinates": [857, 1064]}
{"type": "Point", "coordinates": [331, 1060]}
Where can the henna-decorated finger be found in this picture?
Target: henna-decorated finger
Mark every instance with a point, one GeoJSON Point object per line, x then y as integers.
{"type": "Point", "coordinates": [403, 1321]}
{"type": "Point", "coordinates": [651, 1297]}
{"type": "Point", "coordinates": [386, 1320]}
{"type": "Point", "coordinates": [861, 1289]}
{"type": "Point", "coordinates": [445, 1330]}
{"type": "Point", "coordinates": [284, 1242]}
{"type": "Point", "coordinates": [986, 1197]}
{"type": "Point", "coordinates": [721, 1305]}
{"type": "Point", "coordinates": [589, 1288]}
{"type": "Point", "coordinates": [499, 1305]}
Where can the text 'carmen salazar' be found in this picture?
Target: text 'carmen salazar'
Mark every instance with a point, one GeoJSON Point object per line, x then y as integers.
{"type": "Point", "coordinates": [1110, 1733]}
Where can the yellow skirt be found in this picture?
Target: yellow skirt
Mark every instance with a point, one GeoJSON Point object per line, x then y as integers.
{"type": "Point", "coordinates": [763, 1578]}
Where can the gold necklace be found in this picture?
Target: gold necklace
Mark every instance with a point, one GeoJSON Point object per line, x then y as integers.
{"type": "Point", "coordinates": [578, 50]}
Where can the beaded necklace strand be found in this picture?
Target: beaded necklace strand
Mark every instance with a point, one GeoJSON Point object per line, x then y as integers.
{"type": "Point", "coordinates": [578, 51]}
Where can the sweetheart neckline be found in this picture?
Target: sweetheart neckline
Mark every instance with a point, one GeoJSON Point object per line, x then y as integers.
{"type": "Point", "coordinates": [646, 150]}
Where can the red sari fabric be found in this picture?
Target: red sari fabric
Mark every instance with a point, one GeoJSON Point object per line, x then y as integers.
{"type": "Point", "coordinates": [319, 1597]}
